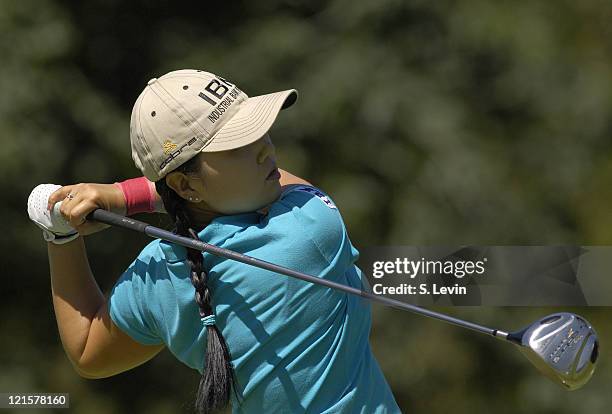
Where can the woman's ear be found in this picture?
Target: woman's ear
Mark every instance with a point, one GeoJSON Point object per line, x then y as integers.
{"type": "Point", "coordinates": [188, 186]}
{"type": "Point", "coordinates": [180, 183]}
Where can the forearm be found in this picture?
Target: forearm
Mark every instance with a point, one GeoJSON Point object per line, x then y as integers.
{"type": "Point", "coordinates": [159, 205]}
{"type": "Point", "coordinates": [287, 178]}
{"type": "Point", "coordinates": [76, 295]}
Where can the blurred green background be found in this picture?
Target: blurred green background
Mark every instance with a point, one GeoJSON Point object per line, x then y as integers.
{"type": "Point", "coordinates": [471, 122]}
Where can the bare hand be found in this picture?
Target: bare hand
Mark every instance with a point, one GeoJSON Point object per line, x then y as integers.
{"type": "Point", "coordinates": [87, 198]}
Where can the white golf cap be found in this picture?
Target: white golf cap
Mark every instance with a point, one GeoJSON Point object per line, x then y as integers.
{"type": "Point", "coordinates": [188, 111]}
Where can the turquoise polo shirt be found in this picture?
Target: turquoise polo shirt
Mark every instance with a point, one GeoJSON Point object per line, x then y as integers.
{"type": "Point", "coordinates": [296, 347]}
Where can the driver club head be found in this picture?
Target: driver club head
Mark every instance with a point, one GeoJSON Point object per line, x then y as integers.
{"type": "Point", "coordinates": [563, 346]}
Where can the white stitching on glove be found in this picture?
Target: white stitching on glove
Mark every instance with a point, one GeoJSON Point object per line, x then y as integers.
{"type": "Point", "coordinates": [54, 226]}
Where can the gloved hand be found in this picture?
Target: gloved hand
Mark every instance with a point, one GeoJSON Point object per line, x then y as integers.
{"type": "Point", "coordinates": [54, 226]}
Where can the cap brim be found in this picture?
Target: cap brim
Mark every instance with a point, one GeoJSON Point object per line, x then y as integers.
{"type": "Point", "coordinates": [252, 121]}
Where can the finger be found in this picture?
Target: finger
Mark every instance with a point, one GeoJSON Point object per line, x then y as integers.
{"type": "Point", "coordinates": [58, 195]}
{"type": "Point", "coordinates": [80, 210]}
{"type": "Point", "coordinates": [69, 210]}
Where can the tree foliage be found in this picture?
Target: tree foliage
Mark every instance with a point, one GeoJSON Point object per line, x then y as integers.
{"type": "Point", "coordinates": [471, 122]}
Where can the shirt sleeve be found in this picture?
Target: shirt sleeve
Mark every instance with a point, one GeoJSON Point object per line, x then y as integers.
{"type": "Point", "coordinates": [129, 304]}
{"type": "Point", "coordinates": [318, 217]}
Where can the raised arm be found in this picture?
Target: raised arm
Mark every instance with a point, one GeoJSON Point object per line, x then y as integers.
{"type": "Point", "coordinates": [159, 205]}
{"type": "Point", "coordinates": [113, 196]}
{"type": "Point", "coordinates": [288, 179]}
{"type": "Point", "coordinates": [95, 346]}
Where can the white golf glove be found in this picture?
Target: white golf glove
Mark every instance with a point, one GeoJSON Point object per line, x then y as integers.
{"type": "Point", "coordinates": [54, 226]}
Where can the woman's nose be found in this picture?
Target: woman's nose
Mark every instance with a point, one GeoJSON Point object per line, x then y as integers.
{"type": "Point", "coordinates": [267, 150]}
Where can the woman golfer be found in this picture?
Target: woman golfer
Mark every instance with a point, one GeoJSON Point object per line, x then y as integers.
{"type": "Point", "coordinates": [267, 342]}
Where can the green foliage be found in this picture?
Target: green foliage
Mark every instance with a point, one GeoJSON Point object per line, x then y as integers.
{"type": "Point", "coordinates": [471, 122]}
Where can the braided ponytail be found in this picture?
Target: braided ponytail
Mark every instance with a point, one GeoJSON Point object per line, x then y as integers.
{"type": "Point", "coordinates": [218, 378]}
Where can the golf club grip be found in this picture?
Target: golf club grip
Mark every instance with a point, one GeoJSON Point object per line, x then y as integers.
{"type": "Point", "coordinates": [114, 219]}
{"type": "Point", "coordinates": [152, 231]}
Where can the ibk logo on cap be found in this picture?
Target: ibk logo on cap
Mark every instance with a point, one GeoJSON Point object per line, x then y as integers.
{"type": "Point", "coordinates": [219, 88]}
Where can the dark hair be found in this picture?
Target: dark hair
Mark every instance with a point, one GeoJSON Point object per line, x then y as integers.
{"type": "Point", "coordinates": [218, 378]}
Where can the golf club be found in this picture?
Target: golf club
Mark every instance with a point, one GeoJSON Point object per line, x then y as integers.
{"type": "Point", "coordinates": [563, 346]}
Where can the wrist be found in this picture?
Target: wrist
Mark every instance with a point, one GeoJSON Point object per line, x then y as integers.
{"type": "Point", "coordinates": [138, 195]}
{"type": "Point", "coordinates": [158, 203]}
{"type": "Point", "coordinates": [59, 239]}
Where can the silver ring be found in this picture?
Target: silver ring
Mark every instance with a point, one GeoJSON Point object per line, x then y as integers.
{"type": "Point", "coordinates": [70, 196]}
